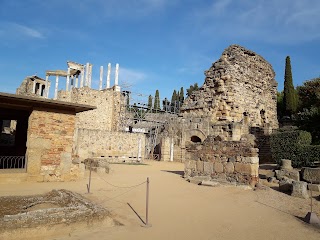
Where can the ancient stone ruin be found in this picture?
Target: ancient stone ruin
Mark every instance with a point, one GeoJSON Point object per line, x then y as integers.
{"type": "Point", "coordinates": [237, 100]}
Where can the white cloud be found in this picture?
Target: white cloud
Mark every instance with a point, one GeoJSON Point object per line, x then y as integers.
{"type": "Point", "coordinates": [285, 21]}
{"type": "Point", "coordinates": [129, 77]}
{"type": "Point", "coordinates": [14, 30]}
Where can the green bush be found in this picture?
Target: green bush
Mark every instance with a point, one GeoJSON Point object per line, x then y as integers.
{"type": "Point", "coordinates": [294, 145]}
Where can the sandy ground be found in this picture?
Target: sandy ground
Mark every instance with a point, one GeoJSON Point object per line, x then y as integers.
{"type": "Point", "coordinates": [178, 209]}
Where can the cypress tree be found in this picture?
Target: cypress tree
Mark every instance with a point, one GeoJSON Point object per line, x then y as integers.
{"type": "Point", "coordinates": [150, 102]}
{"type": "Point", "coordinates": [157, 100]}
{"type": "Point", "coordinates": [289, 97]}
{"type": "Point", "coordinates": [181, 97]}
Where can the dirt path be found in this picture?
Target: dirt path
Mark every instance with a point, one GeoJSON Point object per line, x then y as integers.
{"type": "Point", "coordinates": [178, 209]}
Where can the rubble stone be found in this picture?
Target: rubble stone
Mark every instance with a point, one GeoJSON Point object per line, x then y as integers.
{"type": "Point", "coordinates": [299, 189]}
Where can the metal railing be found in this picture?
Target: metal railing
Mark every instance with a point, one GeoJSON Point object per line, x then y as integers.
{"type": "Point", "coordinates": [12, 162]}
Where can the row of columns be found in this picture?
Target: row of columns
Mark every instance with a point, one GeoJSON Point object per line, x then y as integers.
{"type": "Point", "coordinates": [45, 88]}
{"type": "Point", "coordinates": [85, 72]}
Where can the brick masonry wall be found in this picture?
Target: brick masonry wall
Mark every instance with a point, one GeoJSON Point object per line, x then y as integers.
{"type": "Point", "coordinates": [97, 143]}
{"type": "Point", "coordinates": [234, 161]}
{"type": "Point", "coordinates": [49, 145]}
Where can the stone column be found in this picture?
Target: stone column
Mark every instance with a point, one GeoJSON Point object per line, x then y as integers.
{"type": "Point", "coordinates": [82, 77]}
{"type": "Point", "coordinates": [68, 80]}
{"type": "Point", "coordinates": [77, 80]}
{"type": "Point", "coordinates": [108, 75]}
{"type": "Point", "coordinates": [46, 93]}
{"type": "Point", "coordinates": [139, 149]}
{"type": "Point", "coordinates": [90, 75]}
{"type": "Point", "coordinates": [116, 78]}
{"type": "Point", "coordinates": [101, 77]}
{"type": "Point", "coordinates": [87, 74]}
{"type": "Point", "coordinates": [40, 89]}
{"type": "Point", "coordinates": [34, 87]}
{"type": "Point", "coordinates": [56, 87]}
{"type": "Point", "coordinates": [171, 150]}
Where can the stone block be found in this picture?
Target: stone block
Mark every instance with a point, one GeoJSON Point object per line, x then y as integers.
{"type": "Point", "coordinates": [246, 168]}
{"type": "Point", "coordinates": [191, 165]}
{"type": "Point", "coordinates": [292, 174]}
{"type": "Point", "coordinates": [311, 175]}
{"type": "Point", "coordinates": [208, 168]}
{"type": "Point", "coordinates": [314, 187]}
{"type": "Point", "coordinates": [218, 167]}
{"type": "Point", "coordinates": [285, 185]}
{"type": "Point", "coordinates": [250, 159]}
{"type": "Point", "coordinates": [210, 183]}
{"type": "Point", "coordinates": [200, 166]}
{"type": "Point", "coordinates": [299, 189]}
{"type": "Point", "coordinates": [286, 164]}
{"type": "Point", "coordinates": [229, 167]}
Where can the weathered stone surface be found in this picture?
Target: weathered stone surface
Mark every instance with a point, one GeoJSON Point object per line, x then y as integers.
{"type": "Point", "coordinates": [244, 79]}
{"type": "Point", "coordinates": [311, 175]}
{"type": "Point", "coordinates": [292, 174]}
{"type": "Point", "coordinates": [286, 164]}
{"type": "Point", "coordinates": [218, 167]}
{"type": "Point", "coordinates": [210, 183]}
{"type": "Point", "coordinates": [285, 185]}
{"type": "Point", "coordinates": [250, 159]}
{"type": "Point", "coordinates": [200, 166]}
{"type": "Point", "coordinates": [299, 189]}
{"type": "Point", "coordinates": [245, 168]}
{"type": "Point", "coordinates": [208, 168]}
{"type": "Point", "coordinates": [314, 187]}
{"type": "Point", "coordinates": [229, 167]}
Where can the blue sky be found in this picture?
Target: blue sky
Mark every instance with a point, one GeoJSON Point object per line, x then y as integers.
{"type": "Point", "coordinates": [159, 44]}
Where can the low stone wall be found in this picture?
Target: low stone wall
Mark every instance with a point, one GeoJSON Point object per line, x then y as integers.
{"type": "Point", "coordinates": [116, 146]}
{"type": "Point", "coordinates": [233, 161]}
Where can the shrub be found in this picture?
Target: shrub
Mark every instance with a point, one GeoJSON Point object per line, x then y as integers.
{"type": "Point", "coordinates": [294, 145]}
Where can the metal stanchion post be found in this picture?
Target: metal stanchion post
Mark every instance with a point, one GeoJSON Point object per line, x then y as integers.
{"type": "Point", "coordinates": [89, 184]}
{"type": "Point", "coordinates": [147, 206]}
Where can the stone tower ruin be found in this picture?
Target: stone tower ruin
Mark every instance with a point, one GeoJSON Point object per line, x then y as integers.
{"type": "Point", "coordinates": [239, 87]}
{"type": "Point", "coordinates": [220, 128]}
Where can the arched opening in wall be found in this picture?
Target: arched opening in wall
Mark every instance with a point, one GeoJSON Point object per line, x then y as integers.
{"type": "Point", "coordinates": [37, 88]}
{"type": "Point", "coordinates": [195, 139]}
{"type": "Point", "coordinates": [42, 90]}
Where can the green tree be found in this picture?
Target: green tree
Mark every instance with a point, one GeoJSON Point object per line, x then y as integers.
{"type": "Point", "coordinates": [157, 100]}
{"type": "Point", "coordinates": [166, 105]}
{"type": "Point", "coordinates": [150, 102]}
{"type": "Point", "coordinates": [181, 97]}
{"type": "Point", "coordinates": [309, 114]}
{"type": "Point", "coordinates": [289, 96]}
{"type": "Point", "coordinates": [192, 88]}
{"type": "Point", "coordinates": [280, 105]}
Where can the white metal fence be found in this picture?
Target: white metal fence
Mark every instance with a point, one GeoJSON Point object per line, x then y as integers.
{"type": "Point", "coordinates": [12, 162]}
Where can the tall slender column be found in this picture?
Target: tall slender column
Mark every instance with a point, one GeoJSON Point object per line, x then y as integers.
{"type": "Point", "coordinates": [82, 77]}
{"type": "Point", "coordinates": [56, 88]}
{"type": "Point", "coordinates": [108, 75]}
{"type": "Point", "coordinates": [34, 87]}
{"type": "Point", "coordinates": [46, 91]}
{"type": "Point", "coordinates": [101, 77]}
{"type": "Point", "coordinates": [90, 75]}
{"type": "Point", "coordinates": [116, 78]}
{"type": "Point", "coordinates": [40, 89]}
{"type": "Point", "coordinates": [77, 80]}
{"type": "Point", "coordinates": [68, 80]}
{"type": "Point", "coordinates": [87, 74]}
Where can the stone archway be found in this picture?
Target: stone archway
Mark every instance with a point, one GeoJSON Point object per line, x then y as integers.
{"type": "Point", "coordinates": [195, 136]}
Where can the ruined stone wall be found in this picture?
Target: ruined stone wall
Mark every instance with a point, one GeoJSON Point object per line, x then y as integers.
{"type": "Point", "coordinates": [49, 146]}
{"type": "Point", "coordinates": [108, 102]}
{"type": "Point", "coordinates": [233, 161]}
{"type": "Point", "coordinates": [239, 87]}
{"type": "Point", "coordinates": [97, 143]}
